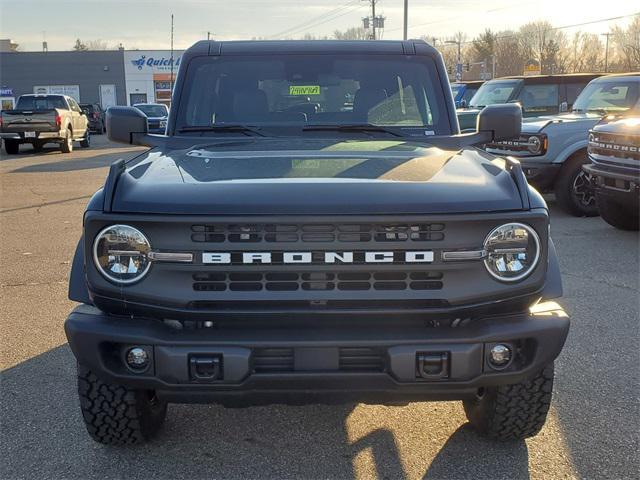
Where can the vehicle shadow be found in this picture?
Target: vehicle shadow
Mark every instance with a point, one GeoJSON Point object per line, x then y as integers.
{"type": "Point", "coordinates": [42, 436]}
{"type": "Point", "coordinates": [67, 165]}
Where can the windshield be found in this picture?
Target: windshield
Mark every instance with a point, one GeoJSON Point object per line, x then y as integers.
{"type": "Point", "coordinates": [41, 103]}
{"type": "Point", "coordinates": [614, 95]}
{"type": "Point", "coordinates": [494, 92]}
{"type": "Point", "coordinates": [456, 88]}
{"type": "Point", "coordinates": [307, 90]}
{"type": "Point", "coordinates": [153, 110]}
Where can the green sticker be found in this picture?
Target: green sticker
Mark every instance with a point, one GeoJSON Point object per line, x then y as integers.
{"type": "Point", "coordinates": [304, 89]}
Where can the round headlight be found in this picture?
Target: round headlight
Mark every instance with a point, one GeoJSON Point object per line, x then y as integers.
{"type": "Point", "coordinates": [120, 253]}
{"type": "Point", "coordinates": [534, 144]}
{"type": "Point", "coordinates": [513, 251]}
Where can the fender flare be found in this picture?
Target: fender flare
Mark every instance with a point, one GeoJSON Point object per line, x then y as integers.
{"type": "Point", "coordinates": [553, 284]}
{"type": "Point", "coordinates": [78, 291]}
{"type": "Point", "coordinates": [570, 150]}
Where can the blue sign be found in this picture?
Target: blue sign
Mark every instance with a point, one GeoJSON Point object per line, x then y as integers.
{"type": "Point", "coordinates": [160, 63]}
{"type": "Point", "coordinates": [6, 92]}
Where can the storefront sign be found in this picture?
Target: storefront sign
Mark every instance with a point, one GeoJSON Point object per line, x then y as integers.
{"type": "Point", "coordinates": [6, 92]}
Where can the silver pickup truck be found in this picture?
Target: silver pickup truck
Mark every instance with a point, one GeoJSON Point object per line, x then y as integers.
{"type": "Point", "coordinates": [42, 119]}
{"type": "Point", "coordinates": [552, 149]}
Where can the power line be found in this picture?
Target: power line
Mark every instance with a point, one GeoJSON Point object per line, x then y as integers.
{"type": "Point", "coordinates": [314, 21]}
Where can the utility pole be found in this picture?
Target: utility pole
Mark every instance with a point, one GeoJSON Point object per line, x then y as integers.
{"type": "Point", "coordinates": [606, 51]}
{"type": "Point", "coordinates": [406, 18]}
{"type": "Point", "coordinates": [373, 13]}
{"type": "Point", "coordinates": [171, 81]}
{"type": "Point", "coordinates": [459, 63]}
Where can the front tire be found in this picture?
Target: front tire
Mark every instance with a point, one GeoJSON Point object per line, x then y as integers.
{"type": "Point", "coordinates": [86, 140]}
{"type": "Point", "coordinates": [12, 147]}
{"type": "Point", "coordinates": [512, 412]}
{"type": "Point", "coordinates": [623, 217]}
{"type": "Point", "coordinates": [575, 189]}
{"type": "Point", "coordinates": [117, 415]}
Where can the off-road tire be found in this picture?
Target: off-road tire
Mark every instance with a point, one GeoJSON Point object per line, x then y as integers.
{"type": "Point", "coordinates": [115, 414]}
{"type": "Point", "coordinates": [623, 217]}
{"type": "Point", "coordinates": [512, 412]}
{"type": "Point", "coordinates": [565, 187]}
{"type": "Point", "coordinates": [12, 147]}
{"type": "Point", "coordinates": [67, 144]}
{"type": "Point", "coordinates": [86, 140]}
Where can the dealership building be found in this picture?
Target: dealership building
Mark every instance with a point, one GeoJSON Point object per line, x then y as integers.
{"type": "Point", "coordinates": [110, 77]}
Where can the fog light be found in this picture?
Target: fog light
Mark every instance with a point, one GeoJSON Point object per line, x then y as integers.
{"type": "Point", "coordinates": [137, 358]}
{"type": "Point", "coordinates": [500, 355]}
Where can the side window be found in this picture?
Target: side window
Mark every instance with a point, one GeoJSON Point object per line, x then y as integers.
{"type": "Point", "coordinates": [573, 90]}
{"type": "Point", "coordinates": [73, 105]}
{"type": "Point", "coordinates": [539, 99]}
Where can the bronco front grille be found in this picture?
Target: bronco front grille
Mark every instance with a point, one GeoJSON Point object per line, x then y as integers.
{"type": "Point", "coordinates": [317, 233]}
{"type": "Point", "coordinates": [614, 146]}
{"type": "Point", "coordinates": [316, 281]}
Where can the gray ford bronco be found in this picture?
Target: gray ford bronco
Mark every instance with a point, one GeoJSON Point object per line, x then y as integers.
{"type": "Point", "coordinates": [313, 228]}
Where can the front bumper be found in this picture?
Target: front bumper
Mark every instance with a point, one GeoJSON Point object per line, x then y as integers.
{"type": "Point", "coordinates": [374, 364]}
{"type": "Point", "coordinates": [621, 186]}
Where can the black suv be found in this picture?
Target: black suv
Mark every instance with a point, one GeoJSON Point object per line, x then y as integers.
{"type": "Point", "coordinates": [347, 246]}
{"type": "Point", "coordinates": [96, 116]}
{"type": "Point", "coordinates": [614, 151]}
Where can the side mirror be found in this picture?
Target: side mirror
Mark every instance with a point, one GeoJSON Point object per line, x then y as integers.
{"type": "Point", "coordinates": [127, 125]}
{"type": "Point", "coordinates": [503, 121]}
{"type": "Point", "coordinates": [564, 107]}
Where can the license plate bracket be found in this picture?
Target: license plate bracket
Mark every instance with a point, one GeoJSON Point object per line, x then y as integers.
{"type": "Point", "coordinates": [29, 134]}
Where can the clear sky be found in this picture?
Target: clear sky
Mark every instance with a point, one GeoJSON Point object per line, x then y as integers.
{"type": "Point", "coordinates": [145, 24]}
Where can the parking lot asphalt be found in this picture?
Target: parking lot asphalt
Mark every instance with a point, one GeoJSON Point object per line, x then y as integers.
{"type": "Point", "coordinates": [592, 430]}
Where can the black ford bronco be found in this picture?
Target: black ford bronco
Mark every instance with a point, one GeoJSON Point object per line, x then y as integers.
{"type": "Point", "coordinates": [313, 228]}
{"type": "Point", "coordinates": [614, 151]}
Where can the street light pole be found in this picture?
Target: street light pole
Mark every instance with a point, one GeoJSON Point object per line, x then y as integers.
{"type": "Point", "coordinates": [171, 80]}
{"type": "Point", "coordinates": [459, 63]}
{"type": "Point", "coordinates": [406, 18]}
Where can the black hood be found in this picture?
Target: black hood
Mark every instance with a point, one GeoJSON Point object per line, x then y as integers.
{"type": "Point", "coordinates": [311, 176]}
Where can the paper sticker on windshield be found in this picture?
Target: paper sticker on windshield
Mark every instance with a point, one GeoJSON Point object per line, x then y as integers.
{"type": "Point", "coordinates": [304, 89]}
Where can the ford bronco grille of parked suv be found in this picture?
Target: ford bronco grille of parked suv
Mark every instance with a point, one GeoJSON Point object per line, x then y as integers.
{"type": "Point", "coordinates": [314, 228]}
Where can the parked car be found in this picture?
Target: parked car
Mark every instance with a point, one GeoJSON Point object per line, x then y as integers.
{"type": "Point", "coordinates": [157, 115]}
{"type": "Point", "coordinates": [257, 256]}
{"type": "Point", "coordinates": [538, 95]}
{"type": "Point", "coordinates": [553, 149]}
{"type": "Point", "coordinates": [614, 151]}
{"type": "Point", "coordinates": [96, 116]}
{"type": "Point", "coordinates": [463, 91]}
{"type": "Point", "coordinates": [42, 119]}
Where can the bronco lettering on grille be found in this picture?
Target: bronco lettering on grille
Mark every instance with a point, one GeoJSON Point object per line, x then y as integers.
{"type": "Point", "coordinates": [221, 258]}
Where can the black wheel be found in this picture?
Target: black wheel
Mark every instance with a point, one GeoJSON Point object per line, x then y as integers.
{"type": "Point", "coordinates": [512, 412]}
{"type": "Point", "coordinates": [117, 415]}
{"type": "Point", "coordinates": [11, 147]}
{"type": "Point", "coordinates": [86, 140]}
{"type": "Point", "coordinates": [575, 188]}
{"type": "Point", "coordinates": [67, 144]}
{"type": "Point", "coordinates": [623, 217]}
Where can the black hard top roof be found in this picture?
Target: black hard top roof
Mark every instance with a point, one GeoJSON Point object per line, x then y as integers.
{"type": "Point", "coordinates": [262, 47]}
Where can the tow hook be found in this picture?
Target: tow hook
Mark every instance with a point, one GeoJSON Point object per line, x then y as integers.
{"type": "Point", "coordinates": [432, 365]}
{"type": "Point", "coordinates": [205, 368]}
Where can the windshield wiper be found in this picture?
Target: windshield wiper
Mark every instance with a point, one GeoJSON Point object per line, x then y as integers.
{"type": "Point", "coordinates": [355, 127]}
{"type": "Point", "coordinates": [246, 129]}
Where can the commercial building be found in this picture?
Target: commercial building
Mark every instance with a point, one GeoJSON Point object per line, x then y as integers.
{"type": "Point", "coordinates": [110, 77]}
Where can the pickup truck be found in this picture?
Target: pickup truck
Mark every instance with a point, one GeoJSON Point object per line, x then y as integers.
{"type": "Point", "coordinates": [42, 119]}
{"type": "Point", "coordinates": [350, 247]}
{"type": "Point", "coordinates": [553, 148]}
{"type": "Point", "coordinates": [614, 151]}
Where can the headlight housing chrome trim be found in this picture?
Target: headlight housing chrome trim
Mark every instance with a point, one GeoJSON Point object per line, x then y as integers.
{"type": "Point", "coordinates": [502, 251]}
{"type": "Point", "coordinates": [105, 273]}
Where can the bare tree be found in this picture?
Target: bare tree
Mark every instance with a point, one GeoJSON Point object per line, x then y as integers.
{"type": "Point", "coordinates": [97, 45]}
{"type": "Point", "coordinates": [79, 46]}
{"type": "Point", "coordinates": [353, 33]}
{"type": "Point", "coordinates": [627, 45]}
